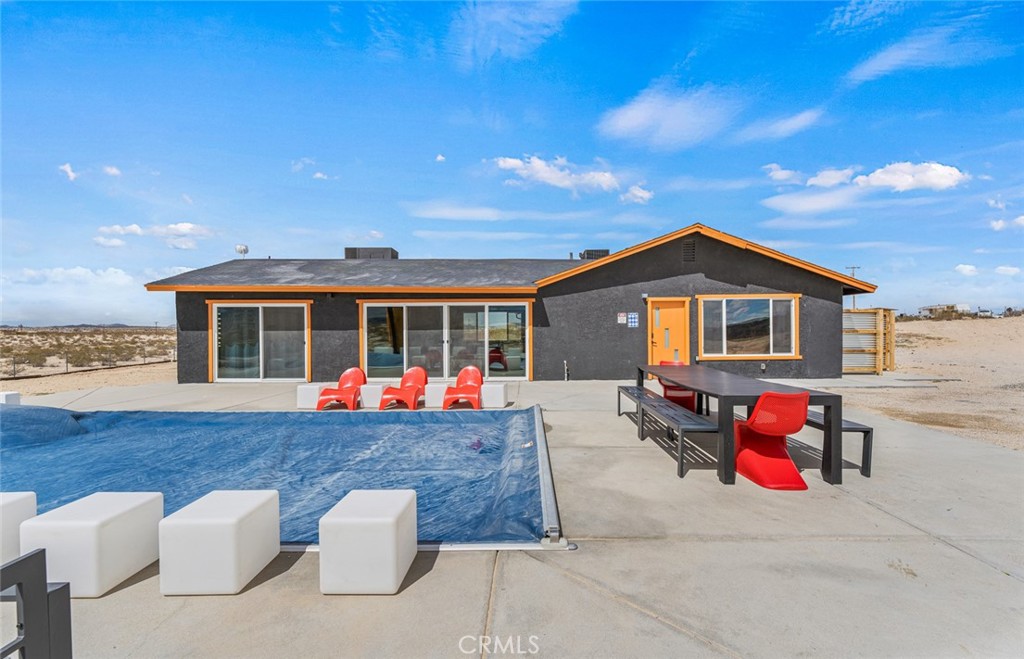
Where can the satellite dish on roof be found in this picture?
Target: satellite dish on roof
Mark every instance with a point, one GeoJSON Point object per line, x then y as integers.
{"type": "Point", "coordinates": [242, 249]}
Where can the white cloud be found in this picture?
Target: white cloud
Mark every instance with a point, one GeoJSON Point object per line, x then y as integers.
{"type": "Point", "coordinates": [181, 235]}
{"type": "Point", "coordinates": [806, 202]}
{"type": "Point", "coordinates": [636, 195]}
{"type": "Point", "coordinates": [374, 235]}
{"type": "Point", "coordinates": [320, 176]}
{"type": "Point", "coordinates": [777, 129]}
{"type": "Point", "coordinates": [180, 229]}
{"type": "Point", "coordinates": [119, 230]}
{"type": "Point", "coordinates": [439, 158]}
{"type": "Point", "coordinates": [65, 295]}
{"type": "Point", "coordinates": [999, 225]}
{"type": "Point", "coordinates": [302, 163]}
{"type": "Point", "coordinates": [998, 204]}
{"type": "Point", "coordinates": [73, 276]}
{"type": "Point", "coordinates": [804, 223]}
{"type": "Point", "coordinates": [559, 173]}
{"type": "Point", "coordinates": [669, 118]}
{"type": "Point", "coordinates": [66, 168]}
{"type": "Point", "coordinates": [181, 242]}
{"type": "Point", "coordinates": [110, 170]}
{"type": "Point", "coordinates": [187, 199]}
{"type": "Point", "coordinates": [483, 31]}
{"type": "Point", "coordinates": [1007, 270]}
{"type": "Point", "coordinates": [103, 241]}
{"type": "Point", "coordinates": [861, 14]}
{"type": "Point", "coordinates": [939, 47]}
{"type": "Point", "coordinates": [903, 176]}
{"type": "Point", "coordinates": [443, 210]}
{"type": "Point", "coordinates": [779, 175]}
{"type": "Point", "coordinates": [893, 246]}
{"type": "Point", "coordinates": [829, 178]}
{"type": "Point", "coordinates": [966, 270]}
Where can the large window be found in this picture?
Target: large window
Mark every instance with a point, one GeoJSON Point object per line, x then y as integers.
{"type": "Point", "coordinates": [444, 338]}
{"type": "Point", "coordinates": [740, 327]}
{"type": "Point", "coordinates": [259, 341]}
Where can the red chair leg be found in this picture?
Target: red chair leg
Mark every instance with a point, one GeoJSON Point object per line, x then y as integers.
{"type": "Point", "coordinates": [765, 460]}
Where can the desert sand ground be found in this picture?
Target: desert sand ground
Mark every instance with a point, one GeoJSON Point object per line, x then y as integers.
{"type": "Point", "coordinates": [969, 379]}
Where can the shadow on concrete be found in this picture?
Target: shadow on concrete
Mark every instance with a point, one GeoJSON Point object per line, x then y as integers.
{"type": "Point", "coordinates": [700, 450]}
{"type": "Point", "coordinates": [421, 566]}
{"type": "Point", "coordinates": [281, 564]}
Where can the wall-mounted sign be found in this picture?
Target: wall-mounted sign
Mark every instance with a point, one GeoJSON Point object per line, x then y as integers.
{"type": "Point", "coordinates": [622, 318]}
{"type": "Point", "coordinates": [633, 319]}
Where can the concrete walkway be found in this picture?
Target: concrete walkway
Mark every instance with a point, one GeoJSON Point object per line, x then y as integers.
{"type": "Point", "coordinates": [924, 559]}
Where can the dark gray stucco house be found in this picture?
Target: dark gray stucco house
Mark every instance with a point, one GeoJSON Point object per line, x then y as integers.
{"type": "Point", "coordinates": [694, 295]}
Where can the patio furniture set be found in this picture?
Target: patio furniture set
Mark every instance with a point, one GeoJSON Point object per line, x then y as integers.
{"type": "Point", "coordinates": [755, 446]}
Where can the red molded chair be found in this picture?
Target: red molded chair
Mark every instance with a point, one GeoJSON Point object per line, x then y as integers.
{"type": "Point", "coordinates": [467, 388]}
{"type": "Point", "coordinates": [677, 394]}
{"type": "Point", "coordinates": [347, 392]}
{"type": "Point", "coordinates": [408, 391]}
{"type": "Point", "coordinates": [761, 452]}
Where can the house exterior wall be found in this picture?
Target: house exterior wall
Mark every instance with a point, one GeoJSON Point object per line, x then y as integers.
{"type": "Point", "coordinates": [575, 319]}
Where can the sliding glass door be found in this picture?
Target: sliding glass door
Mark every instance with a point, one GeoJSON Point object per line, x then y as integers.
{"type": "Point", "coordinates": [260, 342]}
{"type": "Point", "coordinates": [445, 338]}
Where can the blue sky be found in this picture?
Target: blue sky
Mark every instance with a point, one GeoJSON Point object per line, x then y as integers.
{"type": "Point", "coordinates": [144, 139]}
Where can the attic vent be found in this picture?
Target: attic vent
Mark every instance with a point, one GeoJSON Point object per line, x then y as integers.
{"type": "Point", "coordinates": [689, 251]}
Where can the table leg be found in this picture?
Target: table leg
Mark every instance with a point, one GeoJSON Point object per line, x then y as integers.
{"type": "Point", "coordinates": [639, 376]}
{"type": "Point", "coordinates": [832, 449]}
{"type": "Point", "coordinates": [726, 442]}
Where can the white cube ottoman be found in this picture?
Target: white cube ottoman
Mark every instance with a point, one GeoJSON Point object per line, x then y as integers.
{"type": "Point", "coordinates": [434, 394]}
{"type": "Point", "coordinates": [369, 396]}
{"type": "Point", "coordinates": [10, 398]}
{"type": "Point", "coordinates": [492, 395]}
{"type": "Point", "coordinates": [15, 508]}
{"type": "Point", "coordinates": [368, 542]}
{"type": "Point", "coordinates": [218, 543]}
{"type": "Point", "coordinates": [98, 541]}
{"type": "Point", "coordinates": [307, 394]}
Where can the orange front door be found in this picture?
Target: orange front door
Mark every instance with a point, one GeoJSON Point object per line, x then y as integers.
{"type": "Point", "coordinates": [669, 323]}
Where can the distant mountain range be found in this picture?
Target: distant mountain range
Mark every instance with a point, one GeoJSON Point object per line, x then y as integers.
{"type": "Point", "coordinates": [87, 326]}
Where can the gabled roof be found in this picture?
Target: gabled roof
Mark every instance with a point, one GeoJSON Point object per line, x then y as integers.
{"type": "Point", "coordinates": [850, 285]}
{"type": "Point", "coordinates": [367, 276]}
{"type": "Point", "coordinates": [440, 275]}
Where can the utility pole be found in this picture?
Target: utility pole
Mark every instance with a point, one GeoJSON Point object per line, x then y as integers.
{"type": "Point", "coordinates": [853, 273]}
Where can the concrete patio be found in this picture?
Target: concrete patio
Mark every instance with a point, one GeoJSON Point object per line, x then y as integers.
{"type": "Point", "coordinates": [923, 559]}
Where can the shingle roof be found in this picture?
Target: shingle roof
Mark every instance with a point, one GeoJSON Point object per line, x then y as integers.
{"type": "Point", "coordinates": [367, 274]}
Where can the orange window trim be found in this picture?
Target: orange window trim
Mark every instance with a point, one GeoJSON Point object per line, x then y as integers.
{"type": "Point", "coordinates": [795, 297]}
{"type": "Point", "coordinates": [210, 331]}
{"type": "Point", "coordinates": [456, 301]}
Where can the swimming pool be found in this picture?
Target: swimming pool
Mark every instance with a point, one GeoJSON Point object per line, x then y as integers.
{"type": "Point", "coordinates": [480, 476]}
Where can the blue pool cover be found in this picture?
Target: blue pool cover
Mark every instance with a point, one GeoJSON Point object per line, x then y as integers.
{"type": "Point", "coordinates": [475, 472]}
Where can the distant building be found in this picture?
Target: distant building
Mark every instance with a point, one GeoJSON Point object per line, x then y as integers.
{"type": "Point", "coordinates": [937, 310]}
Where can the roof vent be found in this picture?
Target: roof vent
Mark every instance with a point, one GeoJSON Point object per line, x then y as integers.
{"type": "Point", "coordinates": [591, 254]}
{"type": "Point", "coordinates": [689, 251]}
{"type": "Point", "coordinates": [386, 253]}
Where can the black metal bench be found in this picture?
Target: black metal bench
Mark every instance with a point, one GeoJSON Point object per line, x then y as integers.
{"type": "Point", "coordinates": [817, 420]}
{"type": "Point", "coordinates": [635, 394]}
{"type": "Point", "coordinates": [677, 419]}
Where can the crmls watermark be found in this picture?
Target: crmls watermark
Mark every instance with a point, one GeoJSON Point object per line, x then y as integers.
{"type": "Point", "coordinates": [499, 644]}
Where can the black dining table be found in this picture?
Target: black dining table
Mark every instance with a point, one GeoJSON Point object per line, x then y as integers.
{"type": "Point", "coordinates": [734, 391]}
